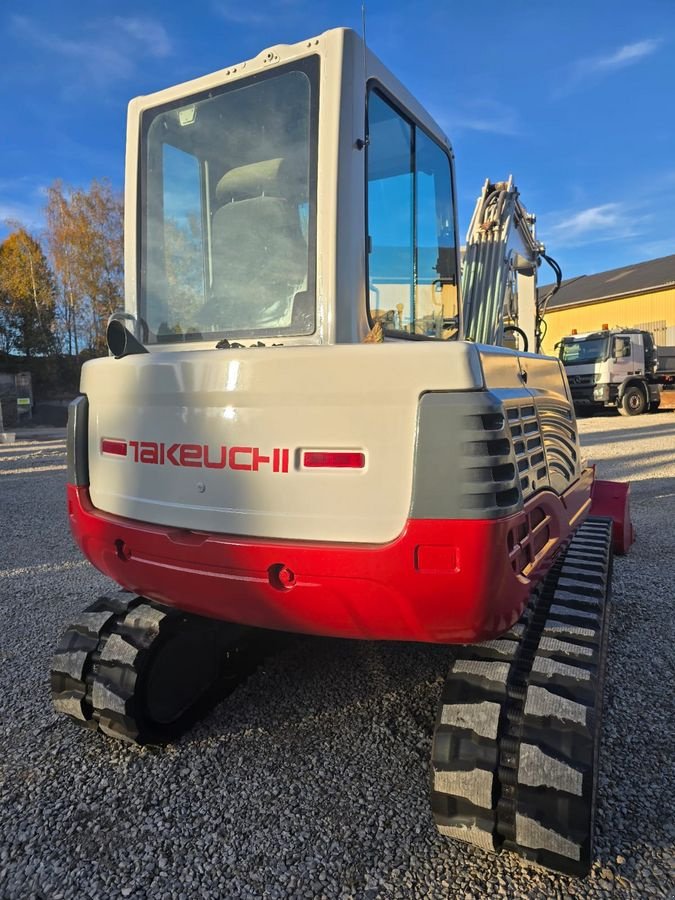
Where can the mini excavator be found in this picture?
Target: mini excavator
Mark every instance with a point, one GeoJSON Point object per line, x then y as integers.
{"type": "Point", "coordinates": [308, 422]}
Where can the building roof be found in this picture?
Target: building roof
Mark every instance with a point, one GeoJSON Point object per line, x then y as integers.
{"type": "Point", "coordinates": [635, 279]}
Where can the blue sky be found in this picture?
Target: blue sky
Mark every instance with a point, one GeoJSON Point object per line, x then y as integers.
{"type": "Point", "coordinates": [576, 99]}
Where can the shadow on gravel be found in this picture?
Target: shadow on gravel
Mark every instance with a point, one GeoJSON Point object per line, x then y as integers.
{"type": "Point", "coordinates": [635, 466]}
{"type": "Point", "coordinates": [31, 472]}
{"type": "Point", "coordinates": [351, 674]}
{"type": "Point", "coordinates": [628, 434]}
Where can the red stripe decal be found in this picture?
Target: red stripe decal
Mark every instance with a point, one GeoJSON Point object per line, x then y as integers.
{"type": "Point", "coordinates": [333, 459]}
{"type": "Point", "coordinates": [116, 448]}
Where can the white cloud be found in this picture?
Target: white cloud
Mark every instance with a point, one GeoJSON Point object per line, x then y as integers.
{"type": "Point", "coordinates": [253, 16]}
{"type": "Point", "coordinates": [148, 32]}
{"type": "Point", "coordinates": [239, 15]}
{"type": "Point", "coordinates": [608, 215]}
{"type": "Point", "coordinates": [22, 202]}
{"type": "Point", "coordinates": [106, 55]}
{"type": "Point", "coordinates": [655, 249]}
{"type": "Point", "coordinates": [624, 56]}
{"type": "Point", "coordinates": [594, 67]}
{"type": "Point", "coordinates": [486, 116]}
{"type": "Point", "coordinates": [13, 213]}
{"type": "Point", "coordinates": [633, 220]}
{"type": "Point", "coordinates": [608, 221]}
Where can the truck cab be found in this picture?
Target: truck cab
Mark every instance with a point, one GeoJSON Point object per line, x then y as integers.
{"type": "Point", "coordinates": [611, 368]}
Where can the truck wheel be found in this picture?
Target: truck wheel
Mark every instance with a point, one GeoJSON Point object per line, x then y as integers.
{"type": "Point", "coordinates": [633, 402]}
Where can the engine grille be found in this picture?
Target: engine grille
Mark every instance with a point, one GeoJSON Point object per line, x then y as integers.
{"type": "Point", "coordinates": [465, 467]}
{"type": "Point", "coordinates": [581, 380]}
{"type": "Point", "coordinates": [480, 455]}
{"type": "Point", "coordinates": [544, 443]}
{"type": "Point", "coordinates": [560, 443]}
{"type": "Point", "coordinates": [528, 447]}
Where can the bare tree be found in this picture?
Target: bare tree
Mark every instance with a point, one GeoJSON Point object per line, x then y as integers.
{"type": "Point", "coordinates": [85, 234]}
{"type": "Point", "coordinates": [60, 240]}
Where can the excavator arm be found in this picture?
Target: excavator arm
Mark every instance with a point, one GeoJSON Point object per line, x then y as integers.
{"type": "Point", "coordinates": [499, 275]}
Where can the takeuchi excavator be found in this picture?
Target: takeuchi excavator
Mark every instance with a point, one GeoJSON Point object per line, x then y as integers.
{"type": "Point", "coordinates": [304, 426]}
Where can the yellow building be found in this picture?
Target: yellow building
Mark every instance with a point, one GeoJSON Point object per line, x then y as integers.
{"type": "Point", "coordinates": [639, 296]}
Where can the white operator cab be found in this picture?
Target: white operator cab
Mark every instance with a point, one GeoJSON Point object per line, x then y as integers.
{"type": "Point", "coordinates": [261, 201]}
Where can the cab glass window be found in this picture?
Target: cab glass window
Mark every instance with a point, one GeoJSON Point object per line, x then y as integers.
{"type": "Point", "coordinates": [228, 208]}
{"type": "Point", "coordinates": [411, 238]}
{"type": "Point", "coordinates": [182, 247]}
{"type": "Point", "coordinates": [390, 216]}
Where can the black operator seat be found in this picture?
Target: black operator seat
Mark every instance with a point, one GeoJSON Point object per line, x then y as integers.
{"type": "Point", "coordinates": [259, 251]}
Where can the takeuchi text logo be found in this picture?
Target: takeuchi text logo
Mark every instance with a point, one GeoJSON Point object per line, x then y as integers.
{"type": "Point", "coordinates": [199, 456]}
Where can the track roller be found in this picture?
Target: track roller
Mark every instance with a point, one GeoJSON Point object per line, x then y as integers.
{"type": "Point", "coordinates": [515, 751]}
{"type": "Point", "coordinates": [144, 673]}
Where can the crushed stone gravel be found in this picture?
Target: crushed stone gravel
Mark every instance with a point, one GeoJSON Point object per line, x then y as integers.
{"type": "Point", "coordinates": [311, 780]}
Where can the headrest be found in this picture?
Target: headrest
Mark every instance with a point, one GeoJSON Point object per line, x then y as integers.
{"type": "Point", "coordinates": [244, 182]}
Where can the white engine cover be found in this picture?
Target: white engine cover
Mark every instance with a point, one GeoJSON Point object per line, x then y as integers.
{"type": "Point", "coordinates": [213, 440]}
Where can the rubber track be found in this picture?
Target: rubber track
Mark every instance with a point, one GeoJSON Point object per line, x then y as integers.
{"type": "Point", "coordinates": [515, 752]}
{"type": "Point", "coordinates": [104, 662]}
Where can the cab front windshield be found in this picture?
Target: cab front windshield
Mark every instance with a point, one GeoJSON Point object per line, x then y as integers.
{"type": "Point", "coordinates": [588, 350]}
{"type": "Point", "coordinates": [228, 210]}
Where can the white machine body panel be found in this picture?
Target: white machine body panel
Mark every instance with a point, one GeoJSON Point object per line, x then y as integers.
{"type": "Point", "coordinates": [215, 441]}
{"type": "Point", "coordinates": [170, 414]}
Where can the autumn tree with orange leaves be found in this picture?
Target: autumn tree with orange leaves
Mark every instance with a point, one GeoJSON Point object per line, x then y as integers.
{"type": "Point", "coordinates": [27, 297]}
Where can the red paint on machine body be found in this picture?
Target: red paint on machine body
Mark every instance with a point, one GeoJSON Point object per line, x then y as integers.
{"type": "Point", "coordinates": [442, 581]}
{"type": "Point", "coordinates": [612, 499]}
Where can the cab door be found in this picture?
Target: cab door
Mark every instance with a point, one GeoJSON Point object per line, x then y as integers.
{"type": "Point", "coordinates": [623, 357]}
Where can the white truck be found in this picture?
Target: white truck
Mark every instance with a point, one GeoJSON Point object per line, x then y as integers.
{"type": "Point", "coordinates": [618, 367]}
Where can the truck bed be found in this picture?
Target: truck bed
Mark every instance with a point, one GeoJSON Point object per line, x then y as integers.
{"type": "Point", "coordinates": [666, 360]}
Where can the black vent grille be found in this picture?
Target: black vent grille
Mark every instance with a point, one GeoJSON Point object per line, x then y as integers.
{"type": "Point", "coordinates": [528, 447]}
{"type": "Point", "coordinates": [560, 443]}
{"type": "Point", "coordinates": [465, 467]}
{"type": "Point", "coordinates": [490, 470]}
{"type": "Point", "coordinates": [580, 380]}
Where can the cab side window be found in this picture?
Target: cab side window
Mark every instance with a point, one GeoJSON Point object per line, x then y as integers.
{"type": "Point", "coordinates": [390, 216]}
{"type": "Point", "coordinates": [435, 270]}
{"type": "Point", "coordinates": [411, 238]}
{"type": "Point", "coordinates": [621, 347]}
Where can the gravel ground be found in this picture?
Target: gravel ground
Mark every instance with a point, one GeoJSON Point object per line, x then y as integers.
{"type": "Point", "coordinates": [311, 780]}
